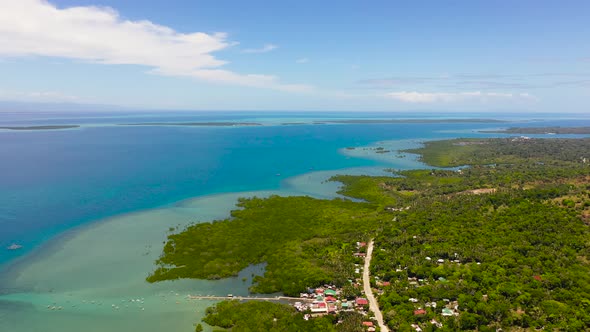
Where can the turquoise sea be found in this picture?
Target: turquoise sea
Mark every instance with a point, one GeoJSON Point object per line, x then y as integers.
{"type": "Point", "coordinates": [91, 206]}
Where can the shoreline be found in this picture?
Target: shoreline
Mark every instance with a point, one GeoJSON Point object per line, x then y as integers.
{"type": "Point", "coordinates": [54, 241]}
{"type": "Point", "coordinates": [92, 279]}
{"type": "Point", "coordinates": [291, 186]}
{"type": "Point", "coordinates": [89, 267]}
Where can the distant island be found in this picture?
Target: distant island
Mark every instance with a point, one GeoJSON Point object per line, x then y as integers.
{"type": "Point", "coordinates": [378, 121]}
{"type": "Point", "coordinates": [191, 124]}
{"type": "Point", "coordinates": [541, 130]}
{"type": "Point", "coordinates": [49, 127]}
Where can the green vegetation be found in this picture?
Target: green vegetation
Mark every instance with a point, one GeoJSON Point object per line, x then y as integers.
{"type": "Point", "coordinates": [304, 242]}
{"type": "Point", "coordinates": [267, 316]}
{"type": "Point", "coordinates": [504, 243]}
{"type": "Point", "coordinates": [377, 121]}
{"type": "Point", "coordinates": [263, 316]}
{"type": "Point", "coordinates": [521, 151]}
{"type": "Point", "coordinates": [509, 259]}
{"type": "Point", "coordinates": [542, 130]}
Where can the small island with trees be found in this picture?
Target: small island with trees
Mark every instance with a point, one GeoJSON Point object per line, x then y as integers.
{"type": "Point", "coordinates": [194, 124]}
{"type": "Point", "coordinates": [44, 127]}
{"type": "Point", "coordinates": [501, 241]}
{"type": "Point", "coordinates": [542, 130]}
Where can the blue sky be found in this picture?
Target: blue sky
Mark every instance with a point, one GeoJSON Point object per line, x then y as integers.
{"type": "Point", "coordinates": [498, 56]}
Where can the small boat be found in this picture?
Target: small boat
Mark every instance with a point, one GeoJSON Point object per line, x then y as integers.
{"type": "Point", "coordinates": [14, 246]}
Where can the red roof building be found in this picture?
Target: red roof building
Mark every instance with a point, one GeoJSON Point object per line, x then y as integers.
{"type": "Point", "coordinates": [361, 301]}
{"type": "Point", "coordinates": [330, 299]}
{"type": "Point", "coordinates": [386, 283]}
{"type": "Point", "coordinates": [368, 324]}
{"type": "Point", "coordinates": [419, 312]}
{"type": "Point", "coordinates": [538, 278]}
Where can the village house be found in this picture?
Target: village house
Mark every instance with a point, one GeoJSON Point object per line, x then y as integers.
{"type": "Point", "coordinates": [419, 312]}
{"type": "Point", "coordinates": [330, 292]}
{"type": "Point", "coordinates": [359, 302]}
{"type": "Point", "coordinates": [345, 305]}
{"type": "Point", "coordinates": [447, 312]}
{"type": "Point", "coordinates": [436, 323]}
{"type": "Point", "coordinates": [430, 304]}
{"type": "Point", "coordinates": [318, 307]}
{"type": "Point", "coordinates": [416, 327]}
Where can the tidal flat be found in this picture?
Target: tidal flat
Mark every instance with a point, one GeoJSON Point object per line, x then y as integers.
{"type": "Point", "coordinates": [92, 278]}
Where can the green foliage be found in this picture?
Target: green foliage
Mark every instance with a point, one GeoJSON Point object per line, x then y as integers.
{"type": "Point", "coordinates": [513, 237]}
{"type": "Point", "coordinates": [263, 316]}
{"type": "Point", "coordinates": [458, 152]}
{"type": "Point", "coordinates": [543, 130]}
{"type": "Point", "coordinates": [301, 239]}
{"type": "Point", "coordinates": [516, 221]}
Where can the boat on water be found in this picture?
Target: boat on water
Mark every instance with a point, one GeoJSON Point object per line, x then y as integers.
{"type": "Point", "coordinates": [14, 246]}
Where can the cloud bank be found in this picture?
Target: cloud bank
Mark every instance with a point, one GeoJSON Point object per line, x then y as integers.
{"type": "Point", "coordinates": [100, 35]}
{"type": "Point", "coordinates": [450, 97]}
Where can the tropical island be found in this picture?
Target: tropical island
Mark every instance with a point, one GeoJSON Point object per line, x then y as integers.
{"type": "Point", "coordinates": [378, 121]}
{"type": "Point", "coordinates": [46, 127]}
{"type": "Point", "coordinates": [542, 130]}
{"type": "Point", "coordinates": [501, 243]}
{"type": "Point", "coordinates": [192, 124]}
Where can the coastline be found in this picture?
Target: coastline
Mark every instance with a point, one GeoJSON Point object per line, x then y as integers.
{"type": "Point", "coordinates": [312, 183]}
{"type": "Point", "coordinates": [78, 265]}
{"type": "Point", "coordinates": [306, 183]}
{"type": "Point", "coordinates": [49, 274]}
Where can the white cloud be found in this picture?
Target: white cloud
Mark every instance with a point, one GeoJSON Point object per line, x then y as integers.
{"type": "Point", "coordinates": [263, 49]}
{"type": "Point", "coordinates": [100, 35]}
{"type": "Point", "coordinates": [302, 60]}
{"type": "Point", "coordinates": [450, 97]}
{"type": "Point", "coordinates": [252, 80]}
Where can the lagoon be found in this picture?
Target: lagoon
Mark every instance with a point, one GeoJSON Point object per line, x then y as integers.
{"type": "Point", "coordinates": [92, 206]}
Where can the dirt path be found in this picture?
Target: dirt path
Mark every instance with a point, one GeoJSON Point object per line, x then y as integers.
{"type": "Point", "coordinates": [367, 287]}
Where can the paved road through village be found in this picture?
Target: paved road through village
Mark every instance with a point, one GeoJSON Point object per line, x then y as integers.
{"type": "Point", "coordinates": [368, 292]}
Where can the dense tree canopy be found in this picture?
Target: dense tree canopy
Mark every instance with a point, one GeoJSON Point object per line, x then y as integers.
{"type": "Point", "coordinates": [504, 243]}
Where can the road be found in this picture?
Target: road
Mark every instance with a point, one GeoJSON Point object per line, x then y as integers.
{"type": "Point", "coordinates": [373, 305]}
